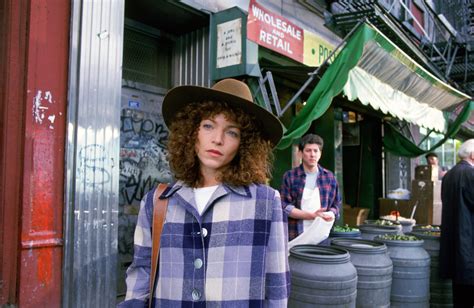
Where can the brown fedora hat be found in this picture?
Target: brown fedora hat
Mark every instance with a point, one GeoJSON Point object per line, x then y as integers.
{"type": "Point", "coordinates": [233, 92]}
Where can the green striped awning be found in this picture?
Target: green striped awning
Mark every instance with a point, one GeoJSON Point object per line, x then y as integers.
{"type": "Point", "coordinates": [375, 71]}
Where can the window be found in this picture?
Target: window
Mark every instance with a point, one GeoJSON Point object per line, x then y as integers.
{"type": "Point", "coordinates": [447, 152]}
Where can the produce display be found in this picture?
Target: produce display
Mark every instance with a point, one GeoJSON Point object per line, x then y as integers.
{"type": "Point", "coordinates": [432, 233]}
{"type": "Point", "coordinates": [397, 237]}
{"type": "Point", "coordinates": [394, 217]}
{"type": "Point", "coordinates": [428, 232]}
{"type": "Point", "coordinates": [344, 228]}
{"type": "Point", "coordinates": [384, 222]}
{"type": "Point", "coordinates": [430, 227]}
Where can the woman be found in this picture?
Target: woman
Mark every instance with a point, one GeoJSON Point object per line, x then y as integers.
{"type": "Point", "coordinates": [223, 243]}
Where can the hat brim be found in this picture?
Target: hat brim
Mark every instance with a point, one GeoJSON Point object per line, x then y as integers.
{"type": "Point", "coordinates": [177, 98]}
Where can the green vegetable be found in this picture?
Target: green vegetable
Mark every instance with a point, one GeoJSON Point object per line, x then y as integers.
{"type": "Point", "coordinates": [430, 227]}
{"type": "Point", "coordinates": [383, 222]}
{"type": "Point", "coordinates": [344, 228]}
{"type": "Point", "coordinates": [430, 232]}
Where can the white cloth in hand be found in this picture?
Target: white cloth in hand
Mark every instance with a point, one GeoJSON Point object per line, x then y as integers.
{"type": "Point", "coordinates": [317, 232]}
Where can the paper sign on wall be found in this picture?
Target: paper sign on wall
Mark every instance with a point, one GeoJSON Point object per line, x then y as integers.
{"type": "Point", "coordinates": [229, 43]}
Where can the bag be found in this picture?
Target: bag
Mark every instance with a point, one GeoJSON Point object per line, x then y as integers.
{"type": "Point", "coordinates": [315, 234]}
{"type": "Point", "coordinates": [159, 212]}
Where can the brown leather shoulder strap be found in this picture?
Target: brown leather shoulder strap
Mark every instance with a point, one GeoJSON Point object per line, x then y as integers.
{"type": "Point", "coordinates": [159, 212]}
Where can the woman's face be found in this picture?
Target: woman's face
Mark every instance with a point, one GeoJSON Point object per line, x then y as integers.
{"type": "Point", "coordinates": [217, 143]}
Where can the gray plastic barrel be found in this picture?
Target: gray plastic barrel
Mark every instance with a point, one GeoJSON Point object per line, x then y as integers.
{"type": "Point", "coordinates": [407, 225]}
{"type": "Point", "coordinates": [374, 271]}
{"type": "Point", "coordinates": [441, 293]}
{"type": "Point", "coordinates": [351, 234]}
{"type": "Point", "coordinates": [369, 232]}
{"type": "Point", "coordinates": [411, 273]}
{"type": "Point", "coordinates": [321, 276]}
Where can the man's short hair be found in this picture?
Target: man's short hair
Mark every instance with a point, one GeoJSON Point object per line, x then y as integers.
{"type": "Point", "coordinates": [311, 139]}
{"type": "Point", "coordinates": [431, 154]}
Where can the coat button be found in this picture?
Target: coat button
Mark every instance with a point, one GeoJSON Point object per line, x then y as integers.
{"type": "Point", "coordinates": [196, 295]}
{"type": "Point", "coordinates": [204, 232]}
{"type": "Point", "coordinates": [198, 263]}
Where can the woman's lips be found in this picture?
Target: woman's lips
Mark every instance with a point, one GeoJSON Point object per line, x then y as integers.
{"type": "Point", "coordinates": [214, 152]}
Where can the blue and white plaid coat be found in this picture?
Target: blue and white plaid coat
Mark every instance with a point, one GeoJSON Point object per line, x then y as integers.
{"type": "Point", "coordinates": [234, 255]}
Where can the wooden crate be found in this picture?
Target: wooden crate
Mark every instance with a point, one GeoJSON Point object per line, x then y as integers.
{"type": "Point", "coordinates": [426, 173]}
{"type": "Point", "coordinates": [354, 216]}
{"type": "Point", "coordinates": [428, 195]}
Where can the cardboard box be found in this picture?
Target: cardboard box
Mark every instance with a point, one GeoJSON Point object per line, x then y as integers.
{"type": "Point", "coordinates": [427, 194]}
{"type": "Point", "coordinates": [426, 173]}
{"type": "Point", "coordinates": [354, 216]}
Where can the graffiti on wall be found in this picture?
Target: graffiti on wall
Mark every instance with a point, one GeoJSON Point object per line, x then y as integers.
{"type": "Point", "coordinates": [92, 166]}
{"type": "Point", "coordinates": [42, 113]}
{"type": "Point", "coordinates": [143, 159]}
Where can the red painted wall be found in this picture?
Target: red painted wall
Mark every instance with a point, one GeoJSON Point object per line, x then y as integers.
{"type": "Point", "coordinates": [39, 34]}
{"type": "Point", "coordinates": [12, 59]}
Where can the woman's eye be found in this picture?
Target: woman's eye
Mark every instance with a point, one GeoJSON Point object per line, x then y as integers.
{"type": "Point", "coordinates": [233, 134]}
{"type": "Point", "coordinates": [206, 125]}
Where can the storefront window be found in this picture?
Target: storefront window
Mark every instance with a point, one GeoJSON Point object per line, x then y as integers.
{"type": "Point", "coordinates": [446, 152]}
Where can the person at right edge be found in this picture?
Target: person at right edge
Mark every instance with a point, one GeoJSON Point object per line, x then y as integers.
{"type": "Point", "coordinates": [456, 253]}
{"type": "Point", "coordinates": [309, 190]}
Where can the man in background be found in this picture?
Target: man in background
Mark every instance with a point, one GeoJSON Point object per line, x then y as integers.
{"type": "Point", "coordinates": [456, 254]}
{"type": "Point", "coordinates": [432, 159]}
{"type": "Point", "coordinates": [309, 190]}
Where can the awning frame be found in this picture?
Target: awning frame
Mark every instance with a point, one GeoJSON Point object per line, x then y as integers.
{"type": "Point", "coordinates": [269, 79]}
{"type": "Point", "coordinates": [336, 76]}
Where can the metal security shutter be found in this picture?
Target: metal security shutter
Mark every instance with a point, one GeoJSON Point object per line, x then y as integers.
{"type": "Point", "coordinates": [146, 58]}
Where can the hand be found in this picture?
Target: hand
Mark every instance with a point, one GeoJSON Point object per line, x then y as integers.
{"type": "Point", "coordinates": [322, 213]}
{"type": "Point", "coordinates": [305, 215]}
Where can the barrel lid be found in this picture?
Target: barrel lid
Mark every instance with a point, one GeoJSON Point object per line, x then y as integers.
{"type": "Point", "coordinates": [377, 230]}
{"type": "Point", "coordinates": [353, 233]}
{"type": "Point", "coordinates": [359, 245]}
{"type": "Point", "coordinates": [374, 224]}
{"type": "Point", "coordinates": [320, 254]}
{"type": "Point", "coordinates": [399, 242]}
{"type": "Point", "coordinates": [426, 234]}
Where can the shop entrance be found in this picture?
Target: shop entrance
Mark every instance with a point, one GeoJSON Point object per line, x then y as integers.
{"type": "Point", "coordinates": [143, 134]}
{"type": "Point", "coordinates": [163, 41]}
{"type": "Point", "coordinates": [362, 160]}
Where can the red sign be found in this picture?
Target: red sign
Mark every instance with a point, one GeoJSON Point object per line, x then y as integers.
{"type": "Point", "coordinates": [274, 32]}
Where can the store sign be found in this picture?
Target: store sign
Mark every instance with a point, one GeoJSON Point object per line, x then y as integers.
{"type": "Point", "coordinates": [274, 32]}
{"type": "Point", "coordinates": [229, 43]}
{"type": "Point", "coordinates": [316, 49]}
{"type": "Point", "coordinates": [281, 35]}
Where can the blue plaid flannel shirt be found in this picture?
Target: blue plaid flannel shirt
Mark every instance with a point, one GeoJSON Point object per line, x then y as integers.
{"type": "Point", "coordinates": [234, 255]}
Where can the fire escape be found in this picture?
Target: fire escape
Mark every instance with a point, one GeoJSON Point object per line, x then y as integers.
{"type": "Point", "coordinates": [423, 29]}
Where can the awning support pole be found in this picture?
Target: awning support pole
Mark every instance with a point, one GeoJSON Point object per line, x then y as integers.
{"type": "Point", "coordinates": [273, 90]}
{"type": "Point", "coordinates": [266, 100]}
{"type": "Point", "coordinates": [424, 138]}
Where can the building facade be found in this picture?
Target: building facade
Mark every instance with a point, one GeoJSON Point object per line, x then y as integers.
{"type": "Point", "coordinates": [82, 137]}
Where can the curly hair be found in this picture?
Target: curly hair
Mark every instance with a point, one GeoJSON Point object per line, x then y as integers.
{"type": "Point", "coordinates": [251, 164]}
